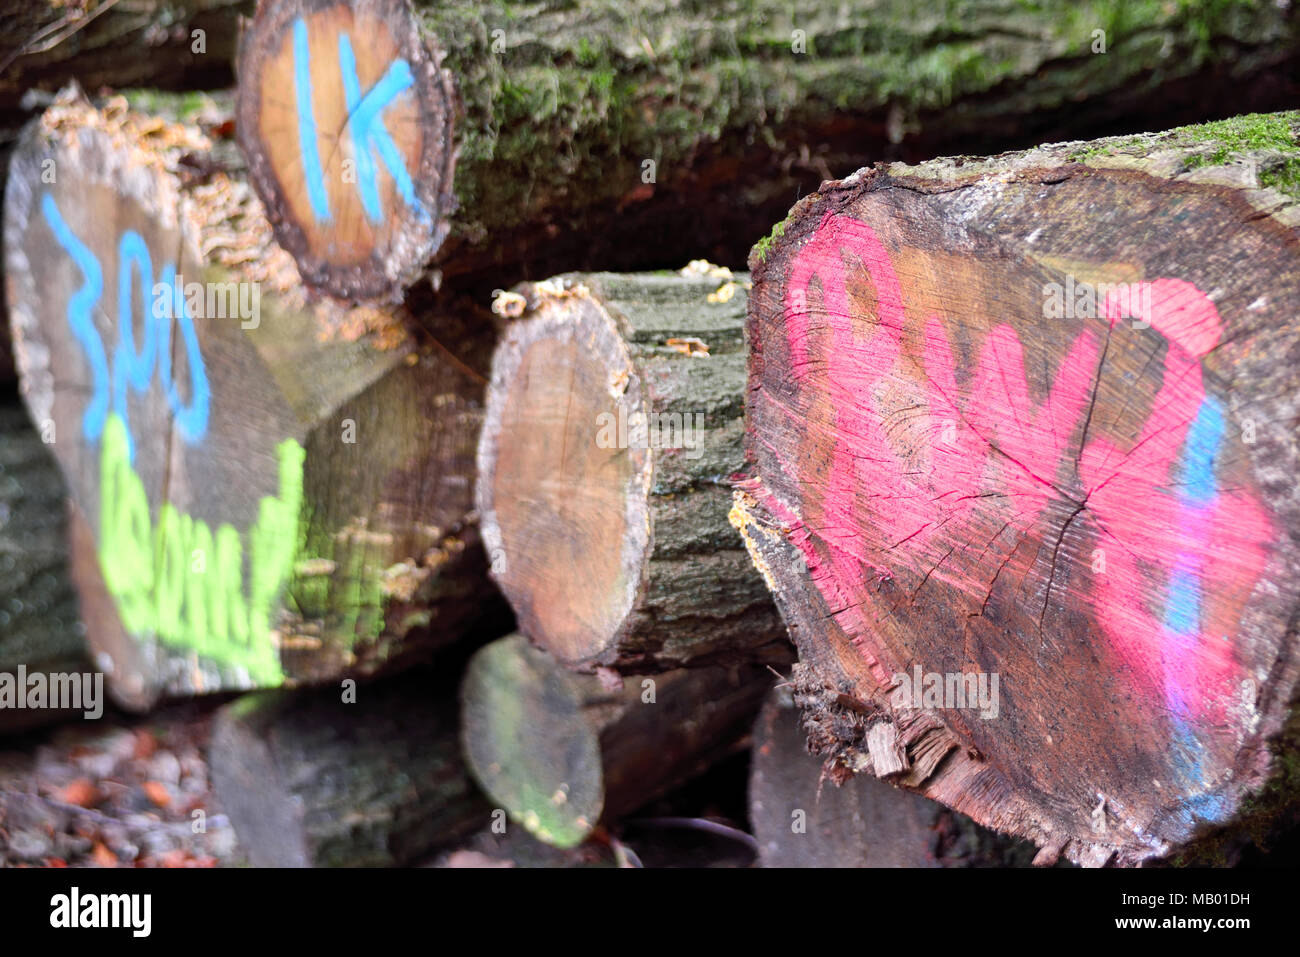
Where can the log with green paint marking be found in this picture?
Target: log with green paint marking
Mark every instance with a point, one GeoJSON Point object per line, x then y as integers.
{"type": "Point", "coordinates": [579, 135]}
{"type": "Point", "coordinates": [320, 778]}
{"type": "Point", "coordinates": [614, 421]}
{"type": "Point", "coordinates": [562, 752]}
{"type": "Point", "coordinates": [1022, 447]}
{"type": "Point", "coordinates": [265, 490]}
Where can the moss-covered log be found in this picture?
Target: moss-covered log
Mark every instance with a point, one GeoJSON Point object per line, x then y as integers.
{"type": "Point", "coordinates": [1022, 451]}
{"type": "Point", "coordinates": [265, 489]}
{"type": "Point", "coordinates": [614, 420]}
{"type": "Point", "coordinates": [594, 133]}
{"type": "Point", "coordinates": [310, 779]}
{"type": "Point", "coordinates": [39, 626]}
{"type": "Point", "coordinates": [562, 752]}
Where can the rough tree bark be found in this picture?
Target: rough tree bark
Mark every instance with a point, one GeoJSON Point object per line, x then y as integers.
{"type": "Point", "coordinates": [39, 629]}
{"type": "Point", "coordinates": [562, 752]}
{"type": "Point", "coordinates": [614, 419]}
{"type": "Point", "coordinates": [806, 816]}
{"type": "Point", "coordinates": [309, 780]}
{"type": "Point", "coordinates": [1032, 419]}
{"type": "Point", "coordinates": [645, 112]}
{"type": "Point", "coordinates": [296, 502]}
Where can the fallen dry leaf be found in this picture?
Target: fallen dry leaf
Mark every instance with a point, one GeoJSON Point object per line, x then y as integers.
{"type": "Point", "coordinates": [81, 792]}
{"type": "Point", "coordinates": [157, 792]}
{"type": "Point", "coordinates": [145, 745]}
{"type": "Point", "coordinates": [102, 856]}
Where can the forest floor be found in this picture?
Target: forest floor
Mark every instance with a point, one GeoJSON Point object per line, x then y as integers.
{"type": "Point", "coordinates": [116, 792]}
{"type": "Point", "coordinates": [127, 791]}
{"type": "Point", "coordinates": [132, 791]}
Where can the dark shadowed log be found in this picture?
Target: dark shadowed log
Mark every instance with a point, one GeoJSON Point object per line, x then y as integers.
{"type": "Point", "coordinates": [8, 374]}
{"type": "Point", "coordinates": [804, 817]}
{"type": "Point", "coordinates": [170, 44]}
{"type": "Point", "coordinates": [39, 630]}
{"type": "Point", "coordinates": [1032, 420]}
{"type": "Point", "coordinates": [614, 419]}
{"type": "Point", "coordinates": [591, 133]}
{"type": "Point", "coordinates": [265, 490]}
{"type": "Point", "coordinates": [561, 752]}
{"type": "Point", "coordinates": [309, 780]}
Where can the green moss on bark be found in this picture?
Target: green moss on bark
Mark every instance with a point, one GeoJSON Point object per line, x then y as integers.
{"type": "Point", "coordinates": [565, 102]}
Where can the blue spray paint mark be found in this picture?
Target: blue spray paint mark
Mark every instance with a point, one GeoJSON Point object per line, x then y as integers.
{"type": "Point", "coordinates": [131, 367]}
{"type": "Point", "coordinates": [1207, 806]}
{"type": "Point", "coordinates": [192, 419]}
{"type": "Point", "coordinates": [316, 192]}
{"type": "Point", "coordinates": [1182, 618]}
{"type": "Point", "coordinates": [79, 306]}
{"type": "Point", "coordinates": [1203, 440]}
{"type": "Point", "coordinates": [1183, 607]}
{"type": "Point", "coordinates": [365, 127]}
{"type": "Point", "coordinates": [366, 124]}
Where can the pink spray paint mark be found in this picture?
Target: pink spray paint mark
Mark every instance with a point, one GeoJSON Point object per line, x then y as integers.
{"type": "Point", "coordinates": [1004, 440]}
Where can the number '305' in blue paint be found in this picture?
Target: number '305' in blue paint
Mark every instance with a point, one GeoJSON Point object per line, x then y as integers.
{"type": "Point", "coordinates": [365, 126]}
{"type": "Point", "coordinates": [132, 367]}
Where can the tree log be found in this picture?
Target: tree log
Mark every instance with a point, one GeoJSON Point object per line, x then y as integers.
{"type": "Point", "coordinates": [39, 629]}
{"type": "Point", "coordinates": [614, 419]}
{"type": "Point", "coordinates": [643, 115]}
{"type": "Point", "coordinates": [265, 489]}
{"type": "Point", "coordinates": [805, 815]}
{"type": "Point", "coordinates": [168, 44]}
{"type": "Point", "coordinates": [1031, 420]}
{"type": "Point", "coordinates": [562, 752]}
{"type": "Point", "coordinates": [309, 780]}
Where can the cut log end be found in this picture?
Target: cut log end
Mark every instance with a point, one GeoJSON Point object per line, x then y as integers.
{"type": "Point", "coordinates": [1047, 453]}
{"type": "Point", "coordinates": [345, 117]}
{"type": "Point", "coordinates": [614, 420]}
{"type": "Point", "coordinates": [564, 519]}
{"type": "Point", "coordinates": [528, 743]}
{"type": "Point", "coordinates": [265, 490]}
{"type": "Point", "coordinates": [562, 752]}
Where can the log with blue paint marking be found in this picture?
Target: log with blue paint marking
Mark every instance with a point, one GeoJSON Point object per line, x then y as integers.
{"type": "Point", "coordinates": [1021, 463]}
{"type": "Point", "coordinates": [265, 491]}
{"type": "Point", "coordinates": [489, 142]}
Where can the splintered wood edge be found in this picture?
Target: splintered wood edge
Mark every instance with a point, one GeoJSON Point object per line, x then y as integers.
{"type": "Point", "coordinates": [355, 260]}
{"type": "Point", "coordinates": [860, 822]}
{"type": "Point", "coordinates": [950, 774]}
{"type": "Point", "coordinates": [576, 612]}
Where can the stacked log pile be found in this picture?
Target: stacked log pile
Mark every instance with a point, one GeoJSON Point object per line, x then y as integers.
{"type": "Point", "coordinates": [977, 482]}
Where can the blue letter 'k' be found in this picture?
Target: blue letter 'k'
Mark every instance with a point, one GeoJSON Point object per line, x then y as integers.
{"type": "Point", "coordinates": [365, 125]}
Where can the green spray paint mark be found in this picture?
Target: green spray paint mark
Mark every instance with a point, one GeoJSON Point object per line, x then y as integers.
{"type": "Point", "coordinates": [161, 590]}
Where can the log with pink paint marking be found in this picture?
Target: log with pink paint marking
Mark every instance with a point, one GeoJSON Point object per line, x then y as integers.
{"type": "Point", "coordinates": [1021, 458]}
